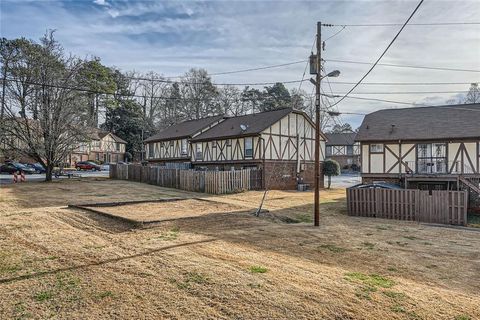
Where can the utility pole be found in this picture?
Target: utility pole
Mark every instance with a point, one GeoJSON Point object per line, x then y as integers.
{"type": "Point", "coordinates": [317, 125]}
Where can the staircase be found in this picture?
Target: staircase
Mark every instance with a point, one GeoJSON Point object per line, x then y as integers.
{"type": "Point", "coordinates": [474, 187]}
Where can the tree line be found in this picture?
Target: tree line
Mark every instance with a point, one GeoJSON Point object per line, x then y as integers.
{"type": "Point", "coordinates": [50, 100]}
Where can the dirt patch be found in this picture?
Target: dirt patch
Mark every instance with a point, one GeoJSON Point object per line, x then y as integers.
{"type": "Point", "coordinates": [149, 212]}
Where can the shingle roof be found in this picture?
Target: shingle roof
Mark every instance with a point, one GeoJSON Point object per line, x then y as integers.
{"type": "Point", "coordinates": [422, 123]}
{"type": "Point", "coordinates": [117, 138]}
{"type": "Point", "coordinates": [255, 123]}
{"type": "Point", "coordinates": [98, 134]}
{"type": "Point", "coordinates": [184, 129]}
{"type": "Point", "coordinates": [340, 139]}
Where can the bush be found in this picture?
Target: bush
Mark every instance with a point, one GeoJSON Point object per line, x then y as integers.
{"type": "Point", "coordinates": [331, 168]}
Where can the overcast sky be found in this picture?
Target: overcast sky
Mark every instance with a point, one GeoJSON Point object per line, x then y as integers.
{"type": "Point", "coordinates": [171, 37]}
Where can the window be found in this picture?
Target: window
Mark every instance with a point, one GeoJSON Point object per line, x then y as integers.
{"type": "Point", "coordinates": [248, 147]}
{"type": "Point", "coordinates": [184, 147]}
{"type": "Point", "coordinates": [350, 150]}
{"type": "Point", "coordinates": [376, 148]}
{"type": "Point", "coordinates": [118, 146]}
{"type": "Point", "coordinates": [329, 151]}
{"type": "Point", "coordinates": [151, 150]}
{"type": "Point", "coordinates": [198, 151]}
{"type": "Point", "coordinates": [432, 158]}
{"type": "Point", "coordinates": [229, 143]}
{"type": "Point", "coordinates": [171, 143]}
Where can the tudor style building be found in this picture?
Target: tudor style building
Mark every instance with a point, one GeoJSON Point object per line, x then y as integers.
{"type": "Point", "coordinates": [281, 142]}
{"type": "Point", "coordinates": [104, 147]}
{"type": "Point", "coordinates": [342, 148]}
{"type": "Point", "coordinates": [423, 147]}
{"type": "Point", "coordinates": [173, 143]}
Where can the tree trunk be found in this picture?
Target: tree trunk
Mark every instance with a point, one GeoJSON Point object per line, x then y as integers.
{"type": "Point", "coordinates": [329, 182]}
{"type": "Point", "coordinates": [49, 172]}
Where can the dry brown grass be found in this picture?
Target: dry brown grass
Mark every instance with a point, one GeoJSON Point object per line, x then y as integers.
{"type": "Point", "coordinates": [162, 211]}
{"type": "Point", "coordinates": [70, 264]}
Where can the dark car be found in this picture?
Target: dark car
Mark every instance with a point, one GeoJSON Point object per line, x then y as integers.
{"type": "Point", "coordinates": [13, 167]}
{"type": "Point", "coordinates": [87, 165]}
{"type": "Point", "coordinates": [37, 167]}
{"type": "Point", "coordinates": [377, 185]}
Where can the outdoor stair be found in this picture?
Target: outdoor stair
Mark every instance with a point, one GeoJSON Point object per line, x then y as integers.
{"type": "Point", "coordinates": [470, 184]}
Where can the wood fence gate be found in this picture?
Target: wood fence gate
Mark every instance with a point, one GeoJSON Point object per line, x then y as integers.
{"type": "Point", "coordinates": [446, 207]}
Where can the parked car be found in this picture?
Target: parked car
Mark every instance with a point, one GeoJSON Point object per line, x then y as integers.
{"type": "Point", "coordinates": [377, 185]}
{"type": "Point", "coordinates": [37, 167]}
{"type": "Point", "coordinates": [13, 167]}
{"type": "Point", "coordinates": [87, 165]}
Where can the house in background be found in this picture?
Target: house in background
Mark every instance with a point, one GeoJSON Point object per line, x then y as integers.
{"type": "Point", "coordinates": [173, 143]}
{"type": "Point", "coordinates": [103, 147]}
{"type": "Point", "coordinates": [281, 142]}
{"type": "Point", "coordinates": [342, 148]}
{"type": "Point", "coordinates": [430, 148]}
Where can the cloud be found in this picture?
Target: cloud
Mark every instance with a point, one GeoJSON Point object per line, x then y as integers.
{"type": "Point", "coordinates": [101, 2]}
{"type": "Point", "coordinates": [170, 37]}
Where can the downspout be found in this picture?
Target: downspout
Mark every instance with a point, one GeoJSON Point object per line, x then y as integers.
{"type": "Point", "coordinates": [257, 213]}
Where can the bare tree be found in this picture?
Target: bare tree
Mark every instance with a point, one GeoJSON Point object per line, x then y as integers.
{"type": "Point", "coordinates": [230, 101]}
{"type": "Point", "coordinates": [198, 95]}
{"type": "Point", "coordinates": [154, 93]}
{"type": "Point", "coordinates": [42, 81]}
{"type": "Point", "coordinates": [473, 95]}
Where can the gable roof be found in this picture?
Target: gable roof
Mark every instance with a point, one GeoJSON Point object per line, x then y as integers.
{"type": "Point", "coordinates": [117, 138]}
{"type": "Point", "coordinates": [422, 123]}
{"type": "Point", "coordinates": [98, 134]}
{"type": "Point", "coordinates": [185, 129]}
{"type": "Point", "coordinates": [340, 139]}
{"type": "Point", "coordinates": [255, 124]}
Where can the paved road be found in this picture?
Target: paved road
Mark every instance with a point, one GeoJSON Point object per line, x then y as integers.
{"type": "Point", "coordinates": [342, 181]}
{"type": "Point", "coordinates": [8, 178]}
{"type": "Point", "coordinates": [345, 180]}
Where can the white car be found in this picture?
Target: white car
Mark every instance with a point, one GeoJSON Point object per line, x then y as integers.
{"type": "Point", "coordinates": [105, 167]}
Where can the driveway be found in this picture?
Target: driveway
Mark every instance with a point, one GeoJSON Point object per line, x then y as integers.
{"type": "Point", "coordinates": [8, 178]}
{"type": "Point", "coordinates": [345, 180]}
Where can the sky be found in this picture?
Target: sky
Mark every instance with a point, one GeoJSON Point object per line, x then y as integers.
{"type": "Point", "coordinates": [170, 37]}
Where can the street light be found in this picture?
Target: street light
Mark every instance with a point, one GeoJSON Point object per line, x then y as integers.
{"type": "Point", "coordinates": [333, 74]}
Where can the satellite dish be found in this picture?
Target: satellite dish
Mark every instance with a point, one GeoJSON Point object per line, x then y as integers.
{"type": "Point", "coordinates": [243, 127]}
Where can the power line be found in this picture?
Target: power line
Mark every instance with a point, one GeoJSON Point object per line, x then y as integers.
{"type": "Point", "coordinates": [409, 103]}
{"type": "Point", "coordinates": [405, 83]}
{"type": "Point", "coordinates": [217, 84]}
{"type": "Point", "coordinates": [120, 94]}
{"type": "Point", "coordinates": [383, 53]}
{"type": "Point", "coordinates": [306, 65]}
{"type": "Point", "coordinates": [335, 34]}
{"type": "Point", "coordinates": [402, 66]}
{"type": "Point", "coordinates": [400, 24]}
{"type": "Point", "coordinates": [401, 92]}
{"type": "Point", "coordinates": [250, 69]}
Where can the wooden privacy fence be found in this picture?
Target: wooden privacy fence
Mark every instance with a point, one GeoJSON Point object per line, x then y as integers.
{"type": "Point", "coordinates": [215, 182]}
{"type": "Point", "coordinates": [446, 207]}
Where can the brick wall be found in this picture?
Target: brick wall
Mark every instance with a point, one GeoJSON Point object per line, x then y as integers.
{"type": "Point", "coordinates": [282, 175]}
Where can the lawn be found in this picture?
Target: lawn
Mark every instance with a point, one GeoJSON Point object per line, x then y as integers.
{"type": "Point", "coordinates": [223, 262]}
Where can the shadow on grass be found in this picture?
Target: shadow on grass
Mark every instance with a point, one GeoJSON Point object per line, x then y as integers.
{"type": "Point", "coordinates": [102, 262]}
